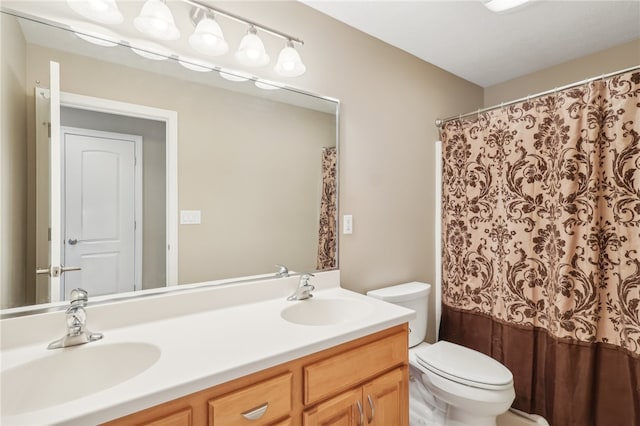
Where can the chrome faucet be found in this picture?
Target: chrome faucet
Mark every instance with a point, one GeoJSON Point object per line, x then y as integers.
{"type": "Point", "coordinates": [77, 332]}
{"type": "Point", "coordinates": [283, 271]}
{"type": "Point", "coordinates": [304, 289]}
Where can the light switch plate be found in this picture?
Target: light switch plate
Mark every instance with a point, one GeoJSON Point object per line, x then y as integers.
{"type": "Point", "coordinates": [190, 217]}
{"type": "Point", "coordinates": [347, 224]}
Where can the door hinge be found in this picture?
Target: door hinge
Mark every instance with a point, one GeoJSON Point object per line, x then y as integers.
{"type": "Point", "coordinates": [49, 234]}
{"type": "Point", "coordinates": [49, 129]}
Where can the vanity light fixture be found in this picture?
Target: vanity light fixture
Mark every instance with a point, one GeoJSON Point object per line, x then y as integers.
{"type": "Point", "coordinates": [103, 11]}
{"type": "Point", "coordinates": [503, 5]}
{"type": "Point", "coordinates": [289, 62]}
{"type": "Point", "coordinates": [251, 52]}
{"type": "Point", "coordinates": [150, 50]}
{"type": "Point", "coordinates": [156, 20]}
{"type": "Point", "coordinates": [207, 38]}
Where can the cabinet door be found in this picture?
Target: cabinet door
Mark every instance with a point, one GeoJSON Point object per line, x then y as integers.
{"type": "Point", "coordinates": [385, 399]}
{"type": "Point", "coordinates": [181, 418]}
{"type": "Point", "coordinates": [343, 410]}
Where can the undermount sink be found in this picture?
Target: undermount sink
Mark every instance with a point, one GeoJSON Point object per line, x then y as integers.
{"type": "Point", "coordinates": [72, 373]}
{"type": "Point", "coordinates": [325, 311]}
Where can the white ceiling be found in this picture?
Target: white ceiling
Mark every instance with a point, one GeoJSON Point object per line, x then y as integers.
{"type": "Point", "coordinates": [486, 48]}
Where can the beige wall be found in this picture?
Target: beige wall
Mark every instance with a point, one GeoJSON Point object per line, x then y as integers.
{"type": "Point", "coordinates": [13, 176]}
{"type": "Point", "coordinates": [389, 102]}
{"type": "Point", "coordinates": [154, 188]}
{"type": "Point", "coordinates": [617, 58]}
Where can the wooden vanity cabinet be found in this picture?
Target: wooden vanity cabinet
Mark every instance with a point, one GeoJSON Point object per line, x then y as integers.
{"type": "Point", "coordinates": [327, 388]}
{"type": "Point", "coordinates": [380, 402]}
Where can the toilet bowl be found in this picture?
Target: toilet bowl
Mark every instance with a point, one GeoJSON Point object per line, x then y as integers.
{"type": "Point", "coordinates": [451, 385]}
{"type": "Point", "coordinates": [475, 387]}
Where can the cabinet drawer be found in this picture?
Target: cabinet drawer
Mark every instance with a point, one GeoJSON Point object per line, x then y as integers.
{"type": "Point", "coordinates": [342, 371]}
{"type": "Point", "coordinates": [255, 405]}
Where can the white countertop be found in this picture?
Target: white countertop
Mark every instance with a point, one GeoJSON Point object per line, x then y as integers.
{"type": "Point", "coordinates": [198, 350]}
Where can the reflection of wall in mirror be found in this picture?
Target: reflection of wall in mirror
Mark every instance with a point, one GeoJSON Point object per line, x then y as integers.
{"type": "Point", "coordinates": [13, 179]}
{"type": "Point", "coordinates": [226, 152]}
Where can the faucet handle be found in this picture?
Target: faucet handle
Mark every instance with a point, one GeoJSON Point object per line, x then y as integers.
{"type": "Point", "coordinates": [283, 271]}
{"type": "Point", "coordinates": [79, 296]}
{"type": "Point", "coordinates": [304, 278]}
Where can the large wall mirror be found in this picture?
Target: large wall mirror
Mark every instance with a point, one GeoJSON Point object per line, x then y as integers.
{"type": "Point", "coordinates": [169, 174]}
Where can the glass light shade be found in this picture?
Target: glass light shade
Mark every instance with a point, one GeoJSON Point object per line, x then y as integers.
{"type": "Point", "coordinates": [95, 34]}
{"type": "Point", "coordinates": [196, 65]}
{"type": "Point", "coordinates": [251, 52]}
{"type": "Point", "coordinates": [235, 76]}
{"type": "Point", "coordinates": [208, 39]}
{"type": "Point", "coordinates": [268, 85]}
{"type": "Point", "coordinates": [103, 11]}
{"type": "Point", "coordinates": [289, 62]}
{"type": "Point", "coordinates": [156, 20]}
{"type": "Point", "coordinates": [503, 5]}
{"type": "Point", "coordinates": [149, 50]}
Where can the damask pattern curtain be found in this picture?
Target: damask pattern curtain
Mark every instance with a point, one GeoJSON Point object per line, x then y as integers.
{"type": "Point", "coordinates": [541, 248]}
{"type": "Point", "coordinates": [327, 230]}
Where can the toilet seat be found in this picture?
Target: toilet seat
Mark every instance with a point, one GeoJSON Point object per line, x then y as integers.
{"type": "Point", "coordinates": [464, 365]}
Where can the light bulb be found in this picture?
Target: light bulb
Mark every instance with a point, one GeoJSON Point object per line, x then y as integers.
{"type": "Point", "coordinates": [98, 5]}
{"type": "Point", "coordinates": [288, 65]}
{"type": "Point", "coordinates": [160, 25]}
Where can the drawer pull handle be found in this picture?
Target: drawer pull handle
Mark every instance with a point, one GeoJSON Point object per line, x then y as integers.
{"type": "Point", "coordinates": [361, 423]}
{"type": "Point", "coordinates": [256, 413]}
{"type": "Point", "coordinates": [373, 409]}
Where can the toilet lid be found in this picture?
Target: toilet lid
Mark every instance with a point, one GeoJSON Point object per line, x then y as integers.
{"type": "Point", "coordinates": [464, 365]}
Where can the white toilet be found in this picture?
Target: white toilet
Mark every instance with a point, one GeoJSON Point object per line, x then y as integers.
{"type": "Point", "coordinates": [451, 385]}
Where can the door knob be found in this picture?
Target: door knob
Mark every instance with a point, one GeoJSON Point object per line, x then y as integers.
{"type": "Point", "coordinates": [73, 241]}
{"type": "Point", "coordinates": [56, 271]}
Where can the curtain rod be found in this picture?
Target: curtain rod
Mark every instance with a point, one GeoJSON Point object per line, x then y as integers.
{"type": "Point", "coordinates": [440, 122]}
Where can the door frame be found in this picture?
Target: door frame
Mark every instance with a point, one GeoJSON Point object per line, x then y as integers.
{"type": "Point", "coordinates": [137, 177]}
{"type": "Point", "coordinates": [170, 118]}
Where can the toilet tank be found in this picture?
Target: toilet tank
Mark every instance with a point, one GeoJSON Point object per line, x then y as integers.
{"type": "Point", "coordinates": [415, 296]}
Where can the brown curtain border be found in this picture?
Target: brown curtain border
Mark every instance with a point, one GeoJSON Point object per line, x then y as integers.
{"type": "Point", "coordinates": [540, 329]}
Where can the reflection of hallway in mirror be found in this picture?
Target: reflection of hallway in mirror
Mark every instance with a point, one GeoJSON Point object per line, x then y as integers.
{"type": "Point", "coordinates": [102, 185]}
{"type": "Point", "coordinates": [152, 229]}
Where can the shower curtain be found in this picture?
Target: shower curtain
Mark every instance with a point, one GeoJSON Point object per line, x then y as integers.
{"type": "Point", "coordinates": [327, 228]}
{"type": "Point", "coordinates": [541, 248]}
